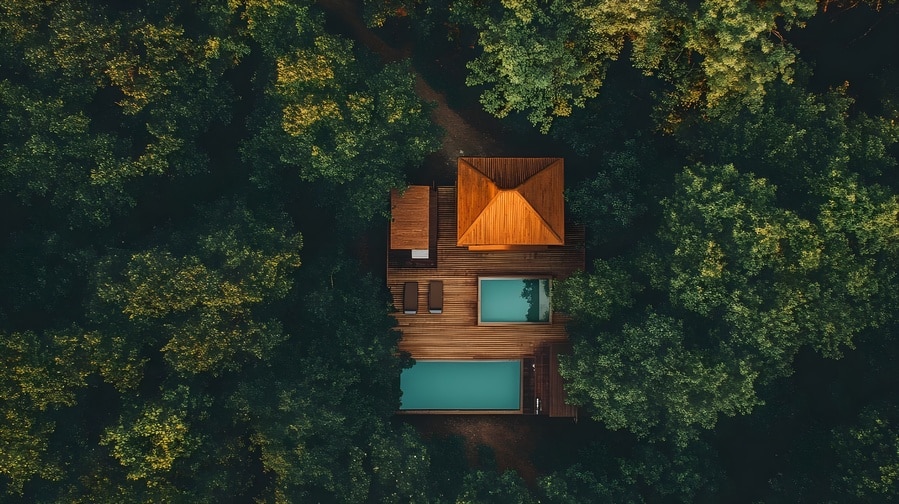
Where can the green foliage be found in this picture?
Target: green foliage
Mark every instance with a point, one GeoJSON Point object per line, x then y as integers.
{"type": "Point", "coordinates": [738, 55]}
{"type": "Point", "coordinates": [579, 483]}
{"type": "Point", "coordinates": [535, 60]}
{"type": "Point", "coordinates": [646, 378]}
{"type": "Point", "coordinates": [362, 142]}
{"type": "Point", "coordinates": [546, 58]}
{"type": "Point", "coordinates": [117, 356]}
{"type": "Point", "coordinates": [744, 285]}
{"type": "Point", "coordinates": [868, 455]}
{"type": "Point", "coordinates": [279, 27]}
{"type": "Point", "coordinates": [449, 466]}
{"type": "Point", "coordinates": [152, 437]}
{"type": "Point", "coordinates": [609, 202]}
{"type": "Point", "coordinates": [201, 374]}
{"type": "Point", "coordinates": [596, 296]}
{"type": "Point", "coordinates": [400, 464]}
{"type": "Point", "coordinates": [683, 474]}
{"type": "Point", "coordinates": [90, 105]}
{"type": "Point", "coordinates": [40, 377]}
{"type": "Point", "coordinates": [735, 252]}
{"type": "Point", "coordinates": [156, 347]}
{"type": "Point", "coordinates": [43, 269]}
{"type": "Point", "coordinates": [811, 147]}
{"type": "Point", "coordinates": [175, 443]}
{"type": "Point", "coordinates": [47, 146]}
{"type": "Point", "coordinates": [317, 414]}
{"type": "Point", "coordinates": [207, 301]}
{"type": "Point", "coordinates": [660, 472]}
{"type": "Point", "coordinates": [797, 136]}
{"type": "Point", "coordinates": [345, 125]}
{"type": "Point", "coordinates": [491, 487]}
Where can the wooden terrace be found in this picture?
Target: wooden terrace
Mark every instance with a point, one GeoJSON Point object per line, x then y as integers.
{"type": "Point", "coordinates": [455, 334]}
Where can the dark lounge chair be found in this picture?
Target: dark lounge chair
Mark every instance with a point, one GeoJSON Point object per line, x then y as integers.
{"type": "Point", "coordinates": [410, 298]}
{"type": "Point", "coordinates": [435, 296]}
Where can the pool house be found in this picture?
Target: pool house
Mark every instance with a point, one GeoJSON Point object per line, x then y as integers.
{"type": "Point", "coordinates": [471, 268]}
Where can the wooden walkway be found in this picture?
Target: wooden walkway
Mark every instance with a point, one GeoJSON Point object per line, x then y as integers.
{"type": "Point", "coordinates": [454, 334]}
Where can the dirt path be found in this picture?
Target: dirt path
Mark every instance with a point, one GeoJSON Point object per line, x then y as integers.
{"type": "Point", "coordinates": [460, 137]}
{"type": "Point", "coordinates": [512, 439]}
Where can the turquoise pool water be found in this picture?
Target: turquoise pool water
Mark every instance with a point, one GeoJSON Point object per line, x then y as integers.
{"type": "Point", "coordinates": [514, 300]}
{"type": "Point", "coordinates": [462, 385]}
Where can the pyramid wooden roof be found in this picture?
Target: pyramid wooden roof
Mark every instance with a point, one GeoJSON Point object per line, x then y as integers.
{"type": "Point", "coordinates": [510, 202]}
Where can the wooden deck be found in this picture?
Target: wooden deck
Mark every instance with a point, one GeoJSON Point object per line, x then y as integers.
{"type": "Point", "coordinates": [454, 334]}
{"type": "Point", "coordinates": [548, 382]}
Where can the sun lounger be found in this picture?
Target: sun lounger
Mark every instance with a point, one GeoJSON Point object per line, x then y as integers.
{"type": "Point", "coordinates": [435, 296]}
{"type": "Point", "coordinates": [410, 298]}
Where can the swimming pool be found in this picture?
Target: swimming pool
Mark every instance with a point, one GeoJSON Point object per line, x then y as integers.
{"type": "Point", "coordinates": [474, 385]}
{"type": "Point", "coordinates": [513, 300]}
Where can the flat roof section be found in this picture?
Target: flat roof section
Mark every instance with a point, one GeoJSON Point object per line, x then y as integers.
{"type": "Point", "coordinates": [410, 223]}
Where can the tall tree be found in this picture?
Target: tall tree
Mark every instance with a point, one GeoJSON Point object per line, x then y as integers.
{"type": "Point", "coordinates": [745, 270]}
{"type": "Point", "coordinates": [40, 378]}
{"type": "Point", "coordinates": [346, 126]}
{"type": "Point", "coordinates": [546, 58]}
{"type": "Point", "coordinates": [733, 288]}
{"type": "Point", "coordinates": [317, 414]}
{"type": "Point", "coordinates": [868, 455]}
{"type": "Point", "coordinates": [206, 301]}
{"type": "Point", "coordinates": [645, 473]}
{"type": "Point", "coordinates": [612, 200]}
{"type": "Point", "coordinates": [93, 103]}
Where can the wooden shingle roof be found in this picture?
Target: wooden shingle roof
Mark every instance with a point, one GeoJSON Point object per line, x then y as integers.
{"type": "Point", "coordinates": [508, 202]}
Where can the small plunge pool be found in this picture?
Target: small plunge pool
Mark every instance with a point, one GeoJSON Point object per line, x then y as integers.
{"type": "Point", "coordinates": [513, 300]}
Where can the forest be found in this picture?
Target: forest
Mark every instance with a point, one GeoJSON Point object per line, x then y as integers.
{"type": "Point", "coordinates": [194, 201]}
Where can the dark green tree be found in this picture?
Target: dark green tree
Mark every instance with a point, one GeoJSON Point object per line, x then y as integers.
{"type": "Point", "coordinates": [92, 101]}
{"type": "Point", "coordinates": [746, 270]}
{"type": "Point", "coordinates": [317, 413]}
{"type": "Point", "coordinates": [153, 438]}
{"type": "Point", "coordinates": [611, 201]}
{"type": "Point", "coordinates": [544, 59]}
{"type": "Point", "coordinates": [657, 472]}
{"type": "Point", "coordinates": [868, 455]}
{"type": "Point", "coordinates": [206, 301]}
{"type": "Point", "coordinates": [40, 379]}
{"type": "Point", "coordinates": [736, 286]}
{"type": "Point", "coordinates": [491, 487]}
{"type": "Point", "coordinates": [345, 126]}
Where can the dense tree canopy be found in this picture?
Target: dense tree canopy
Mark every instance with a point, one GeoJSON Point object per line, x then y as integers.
{"type": "Point", "coordinates": [343, 121]}
{"type": "Point", "coordinates": [94, 102]}
{"type": "Point", "coordinates": [738, 279]}
{"type": "Point", "coordinates": [150, 296]}
{"type": "Point", "coordinates": [205, 301]}
{"type": "Point", "coordinates": [546, 58]}
{"type": "Point", "coordinates": [193, 195]}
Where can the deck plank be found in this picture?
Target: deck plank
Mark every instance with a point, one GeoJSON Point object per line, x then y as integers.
{"type": "Point", "coordinates": [454, 334]}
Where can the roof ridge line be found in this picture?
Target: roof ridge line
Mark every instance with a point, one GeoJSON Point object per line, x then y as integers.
{"type": "Point", "coordinates": [542, 219]}
{"type": "Point", "coordinates": [525, 181]}
{"type": "Point", "coordinates": [473, 167]}
{"type": "Point", "coordinates": [490, 182]}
